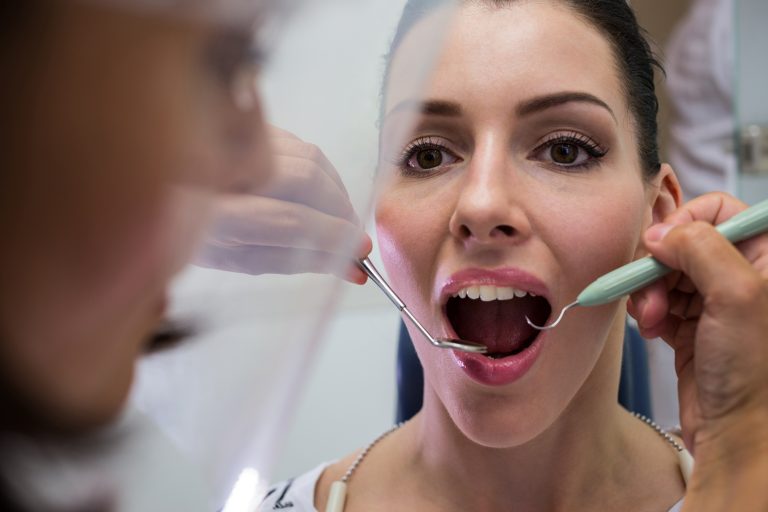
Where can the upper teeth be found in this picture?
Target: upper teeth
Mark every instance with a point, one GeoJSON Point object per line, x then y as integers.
{"type": "Point", "coordinates": [488, 293]}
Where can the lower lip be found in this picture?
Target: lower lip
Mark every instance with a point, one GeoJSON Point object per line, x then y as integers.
{"type": "Point", "coordinates": [499, 372]}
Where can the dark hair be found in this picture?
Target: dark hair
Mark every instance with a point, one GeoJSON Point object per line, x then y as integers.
{"type": "Point", "coordinates": [14, 14]}
{"type": "Point", "coordinates": [634, 57]}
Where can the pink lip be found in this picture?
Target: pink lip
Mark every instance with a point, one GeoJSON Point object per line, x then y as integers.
{"type": "Point", "coordinates": [499, 372]}
{"type": "Point", "coordinates": [480, 368]}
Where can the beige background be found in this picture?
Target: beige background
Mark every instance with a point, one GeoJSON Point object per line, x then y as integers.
{"type": "Point", "coordinates": [659, 18]}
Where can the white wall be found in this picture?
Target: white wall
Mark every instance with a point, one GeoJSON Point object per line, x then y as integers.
{"type": "Point", "coordinates": [349, 398]}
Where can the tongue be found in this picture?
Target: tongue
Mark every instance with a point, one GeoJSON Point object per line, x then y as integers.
{"type": "Point", "coordinates": [500, 324]}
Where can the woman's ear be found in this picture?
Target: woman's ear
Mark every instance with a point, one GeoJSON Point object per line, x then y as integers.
{"type": "Point", "coordinates": [668, 195]}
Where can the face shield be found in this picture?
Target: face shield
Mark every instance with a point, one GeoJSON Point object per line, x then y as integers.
{"type": "Point", "coordinates": [271, 207]}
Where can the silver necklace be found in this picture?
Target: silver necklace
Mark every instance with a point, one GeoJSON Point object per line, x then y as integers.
{"type": "Point", "coordinates": [338, 492]}
{"type": "Point", "coordinates": [663, 433]}
{"type": "Point", "coordinates": [365, 451]}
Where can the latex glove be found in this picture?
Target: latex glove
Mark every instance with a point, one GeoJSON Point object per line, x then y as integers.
{"type": "Point", "coordinates": [714, 314]}
{"type": "Point", "coordinates": [300, 221]}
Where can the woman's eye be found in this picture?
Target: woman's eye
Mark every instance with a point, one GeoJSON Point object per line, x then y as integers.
{"type": "Point", "coordinates": [564, 153]}
{"type": "Point", "coordinates": [229, 53]}
{"type": "Point", "coordinates": [571, 151]}
{"type": "Point", "coordinates": [427, 157]}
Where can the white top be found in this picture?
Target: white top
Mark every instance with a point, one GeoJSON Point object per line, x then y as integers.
{"type": "Point", "coordinates": [699, 61]}
{"type": "Point", "coordinates": [298, 494]}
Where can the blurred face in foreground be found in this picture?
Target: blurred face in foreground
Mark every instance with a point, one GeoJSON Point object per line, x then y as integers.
{"type": "Point", "coordinates": [120, 127]}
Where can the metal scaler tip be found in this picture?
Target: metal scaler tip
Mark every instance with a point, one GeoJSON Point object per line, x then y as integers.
{"type": "Point", "coordinates": [557, 321]}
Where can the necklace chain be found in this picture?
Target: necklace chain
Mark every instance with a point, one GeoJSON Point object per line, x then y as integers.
{"type": "Point", "coordinates": [663, 433]}
{"type": "Point", "coordinates": [363, 454]}
{"type": "Point", "coordinates": [365, 451]}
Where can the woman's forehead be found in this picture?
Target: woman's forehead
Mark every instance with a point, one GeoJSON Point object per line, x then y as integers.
{"type": "Point", "coordinates": [496, 57]}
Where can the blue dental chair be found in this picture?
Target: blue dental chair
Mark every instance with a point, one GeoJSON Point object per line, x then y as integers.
{"type": "Point", "coordinates": [634, 386]}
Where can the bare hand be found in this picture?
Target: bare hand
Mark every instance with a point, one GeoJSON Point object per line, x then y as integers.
{"type": "Point", "coordinates": [714, 314]}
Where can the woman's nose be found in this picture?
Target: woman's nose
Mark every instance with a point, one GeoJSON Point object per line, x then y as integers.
{"type": "Point", "coordinates": [248, 163]}
{"type": "Point", "coordinates": [488, 208]}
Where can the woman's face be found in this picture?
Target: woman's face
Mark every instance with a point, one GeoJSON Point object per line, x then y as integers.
{"type": "Point", "coordinates": [123, 127]}
{"type": "Point", "coordinates": [518, 186]}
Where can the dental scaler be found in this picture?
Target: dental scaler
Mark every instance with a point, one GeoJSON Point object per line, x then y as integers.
{"type": "Point", "coordinates": [640, 273]}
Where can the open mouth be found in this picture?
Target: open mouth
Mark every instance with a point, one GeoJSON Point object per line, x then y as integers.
{"type": "Point", "coordinates": [495, 316]}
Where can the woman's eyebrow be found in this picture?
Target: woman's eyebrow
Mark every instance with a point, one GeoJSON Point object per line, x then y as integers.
{"type": "Point", "coordinates": [429, 108]}
{"type": "Point", "coordinates": [540, 103]}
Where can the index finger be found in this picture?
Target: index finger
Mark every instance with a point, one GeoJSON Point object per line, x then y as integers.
{"type": "Point", "coordinates": [715, 266]}
{"type": "Point", "coordinates": [713, 208]}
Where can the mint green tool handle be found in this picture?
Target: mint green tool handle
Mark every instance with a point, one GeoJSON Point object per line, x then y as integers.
{"type": "Point", "coordinates": [638, 274]}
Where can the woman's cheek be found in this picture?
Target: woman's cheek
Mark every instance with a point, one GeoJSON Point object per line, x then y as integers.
{"type": "Point", "coordinates": [391, 234]}
{"type": "Point", "coordinates": [601, 236]}
{"type": "Point", "coordinates": [401, 234]}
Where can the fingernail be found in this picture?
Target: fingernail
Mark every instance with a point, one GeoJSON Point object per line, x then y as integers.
{"type": "Point", "coordinates": [657, 232]}
{"type": "Point", "coordinates": [355, 275]}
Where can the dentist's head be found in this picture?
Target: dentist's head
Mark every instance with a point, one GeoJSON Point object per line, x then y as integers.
{"type": "Point", "coordinates": [118, 126]}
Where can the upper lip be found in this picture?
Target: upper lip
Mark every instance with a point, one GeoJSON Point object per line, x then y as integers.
{"type": "Point", "coordinates": [505, 276]}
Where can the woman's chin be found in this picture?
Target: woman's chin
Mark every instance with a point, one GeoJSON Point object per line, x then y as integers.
{"type": "Point", "coordinates": [500, 436]}
{"type": "Point", "coordinates": [71, 407]}
{"type": "Point", "coordinates": [85, 386]}
{"type": "Point", "coordinates": [101, 409]}
{"type": "Point", "coordinates": [499, 426]}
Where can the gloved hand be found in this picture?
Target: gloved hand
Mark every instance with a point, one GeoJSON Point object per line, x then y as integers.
{"type": "Point", "coordinates": [300, 221]}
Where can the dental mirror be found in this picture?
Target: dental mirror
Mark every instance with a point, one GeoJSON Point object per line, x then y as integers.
{"type": "Point", "coordinates": [467, 346]}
